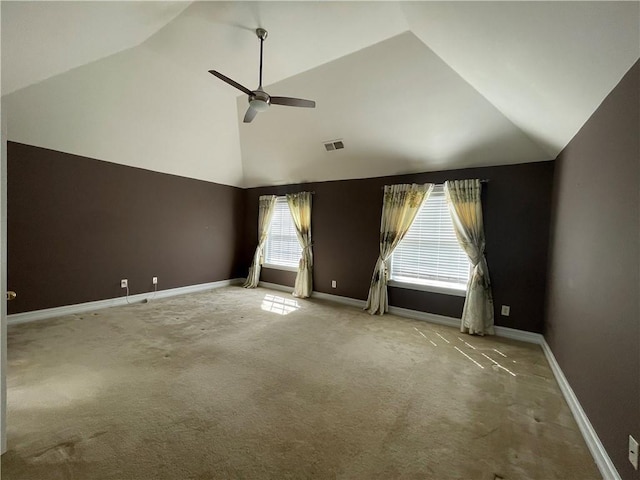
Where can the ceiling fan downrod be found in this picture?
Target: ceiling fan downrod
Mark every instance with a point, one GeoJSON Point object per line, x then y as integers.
{"type": "Point", "coordinates": [262, 35]}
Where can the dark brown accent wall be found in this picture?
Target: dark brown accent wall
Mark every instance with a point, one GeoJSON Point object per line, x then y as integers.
{"type": "Point", "coordinates": [346, 226]}
{"type": "Point", "coordinates": [76, 226]}
{"type": "Point", "coordinates": [593, 317]}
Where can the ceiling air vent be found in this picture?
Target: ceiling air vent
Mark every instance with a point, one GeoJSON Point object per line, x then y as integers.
{"type": "Point", "coordinates": [333, 145]}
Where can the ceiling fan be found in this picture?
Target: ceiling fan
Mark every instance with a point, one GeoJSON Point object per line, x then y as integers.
{"type": "Point", "coordinates": [259, 100]}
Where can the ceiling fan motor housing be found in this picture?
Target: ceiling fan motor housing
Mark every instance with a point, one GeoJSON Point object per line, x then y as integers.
{"type": "Point", "coordinates": [259, 101]}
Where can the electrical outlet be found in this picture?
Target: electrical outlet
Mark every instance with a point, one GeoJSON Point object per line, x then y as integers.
{"type": "Point", "coordinates": [334, 284]}
{"type": "Point", "coordinates": [633, 452]}
{"type": "Point", "coordinates": [154, 280]}
{"type": "Point", "coordinates": [124, 283]}
{"type": "Point", "coordinates": [506, 310]}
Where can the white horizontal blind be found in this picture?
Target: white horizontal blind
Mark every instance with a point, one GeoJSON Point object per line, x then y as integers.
{"type": "Point", "coordinates": [430, 254]}
{"type": "Point", "coordinates": [282, 246]}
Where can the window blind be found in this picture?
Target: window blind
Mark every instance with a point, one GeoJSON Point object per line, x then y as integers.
{"type": "Point", "coordinates": [282, 246]}
{"type": "Point", "coordinates": [430, 253]}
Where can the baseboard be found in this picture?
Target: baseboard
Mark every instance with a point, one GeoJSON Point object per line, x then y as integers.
{"type": "Point", "coordinates": [352, 302]}
{"type": "Point", "coordinates": [425, 316]}
{"type": "Point", "coordinates": [276, 286]}
{"type": "Point", "coordinates": [522, 335]}
{"type": "Point", "coordinates": [600, 455]}
{"type": "Point", "coordinates": [505, 332]}
{"type": "Point", "coordinates": [34, 315]}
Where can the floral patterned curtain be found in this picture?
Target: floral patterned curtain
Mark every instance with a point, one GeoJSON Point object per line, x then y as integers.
{"type": "Point", "coordinates": [399, 208]}
{"type": "Point", "coordinates": [465, 206]}
{"type": "Point", "coordinates": [300, 207]}
{"type": "Point", "coordinates": [265, 213]}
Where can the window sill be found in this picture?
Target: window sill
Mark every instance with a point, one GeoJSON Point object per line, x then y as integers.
{"type": "Point", "coordinates": [429, 288]}
{"type": "Point", "coordinates": [280, 267]}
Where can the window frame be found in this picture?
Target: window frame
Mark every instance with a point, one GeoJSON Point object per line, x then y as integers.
{"type": "Point", "coordinates": [426, 285]}
{"type": "Point", "coordinates": [279, 266]}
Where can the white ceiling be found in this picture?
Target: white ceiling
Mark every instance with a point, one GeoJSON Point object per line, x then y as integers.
{"type": "Point", "coordinates": [389, 126]}
{"type": "Point", "coordinates": [42, 39]}
{"type": "Point", "coordinates": [413, 86]}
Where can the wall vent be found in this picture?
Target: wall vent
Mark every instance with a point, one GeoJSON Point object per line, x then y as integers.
{"type": "Point", "coordinates": [333, 145]}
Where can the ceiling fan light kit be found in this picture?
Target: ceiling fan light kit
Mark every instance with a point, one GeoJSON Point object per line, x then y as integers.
{"type": "Point", "coordinates": [259, 100]}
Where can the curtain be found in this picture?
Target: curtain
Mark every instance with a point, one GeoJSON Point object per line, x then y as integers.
{"type": "Point", "coordinates": [265, 213]}
{"type": "Point", "coordinates": [465, 206]}
{"type": "Point", "coordinates": [300, 207]}
{"type": "Point", "coordinates": [399, 208]}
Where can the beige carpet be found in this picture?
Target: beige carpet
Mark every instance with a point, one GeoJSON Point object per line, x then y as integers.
{"type": "Point", "coordinates": [222, 385]}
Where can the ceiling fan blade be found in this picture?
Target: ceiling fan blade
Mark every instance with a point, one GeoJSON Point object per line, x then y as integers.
{"type": "Point", "coordinates": [233, 83]}
{"type": "Point", "coordinates": [293, 102]}
{"type": "Point", "coordinates": [250, 115]}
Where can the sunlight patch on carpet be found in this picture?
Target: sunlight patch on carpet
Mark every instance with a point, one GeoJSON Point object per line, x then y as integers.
{"type": "Point", "coordinates": [279, 305]}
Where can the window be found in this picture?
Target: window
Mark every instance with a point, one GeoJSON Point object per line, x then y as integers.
{"type": "Point", "coordinates": [429, 256]}
{"type": "Point", "coordinates": [282, 250]}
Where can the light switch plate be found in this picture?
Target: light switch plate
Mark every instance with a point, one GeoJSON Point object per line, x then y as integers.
{"type": "Point", "coordinates": [633, 452]}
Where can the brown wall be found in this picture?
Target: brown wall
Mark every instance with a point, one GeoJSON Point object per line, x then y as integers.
{"type": "Point", "coordinates": [76, 226]}
{"type": "Point", "coordinates": [346, 225]}
{"type": "Point", "coordinates": [593, 318]}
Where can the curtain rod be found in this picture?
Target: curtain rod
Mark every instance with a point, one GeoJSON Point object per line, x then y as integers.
{"type": "Point", "coordinates": [484, 180]}
{"type": "Point", "coordinates": [282, 195]}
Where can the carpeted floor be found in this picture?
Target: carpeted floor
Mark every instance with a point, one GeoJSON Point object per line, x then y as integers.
{"type": "Point", "coordinates": [254, 384]}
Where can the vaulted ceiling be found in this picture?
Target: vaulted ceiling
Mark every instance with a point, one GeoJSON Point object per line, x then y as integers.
{"type": "Point", "coordinates": [408, 86]}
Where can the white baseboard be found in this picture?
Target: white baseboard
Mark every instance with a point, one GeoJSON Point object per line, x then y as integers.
{"type": "Point", "coordinates": [522, 335]}
{"type": "Point", "coordinates": [276, 286]}
{"type": "Point", "coordinates": [352, 302]}
{"type": "Point", "coordinates": [425, 316]}
{"type": "Point", "coordinates": [504, 332]}
{"type": "Point", "coordinates": [34, 315]}
{"type": "Point", "coordinates": [600, 455]}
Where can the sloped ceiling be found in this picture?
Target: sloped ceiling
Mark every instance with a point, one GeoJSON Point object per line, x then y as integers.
{"type": "Point", "coordinates": [410, 86]}
{"type": "Point", "coordinates": [42, 39]}
{"type": "Point", "coordinates": [390, 125]}
{"type": "Point", "coordinates": [546, 65]}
